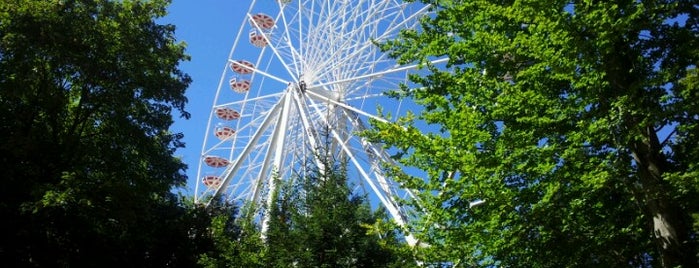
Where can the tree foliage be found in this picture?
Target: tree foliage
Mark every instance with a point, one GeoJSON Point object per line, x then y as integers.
{"type": "Point", "coordinates": [576, 122]}
{"type": "Point", "coordinates": [87, 89]}
{"type": "Point", "coordinates": [315, 220]}
{"type": "Point", "coordinates": [235, 238]}
{"type": "Point", "coordinates": [318, 221]}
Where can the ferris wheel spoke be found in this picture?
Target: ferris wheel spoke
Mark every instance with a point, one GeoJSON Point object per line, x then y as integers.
{"type": "Point", "coordinates": [274, 50]}
{"type": "Point", "coordinates": [258, 71]}
{"type": "Point", "coordinates": [354, 61]}
{"type": "Point", "coordinates": [396, 26]}
{"type": "Point", "coordinates": [367, 31]}
{"type": "Point", "coordinates": [376, 74]}
{"type": "Point", "coordinates": [321, 21]}
{"type": "Point", "coordinates": [343, 105]}
{"type": "Point", "coordinates": [347, 44]}
{"type": "Point", "coordinates": [293, 53]}
{"type": "Point", "coordinates": [366, 96]}
{"type": "Point", "coordinates": [255, 99]}
{"type": "Point", "coordinates": [377, 151]}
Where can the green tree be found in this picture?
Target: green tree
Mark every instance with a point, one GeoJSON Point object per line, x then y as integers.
{"type": "Point", "coordinates": [235, 238]}
{"type": "Point", "coordinates": [87, 89]}
{"type": "Point", "coordinates": [320, 222]}
{"type": "Point", "coordinates": [576, 122]}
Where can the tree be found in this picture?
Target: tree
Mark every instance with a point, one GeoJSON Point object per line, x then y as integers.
{"type": "Point", "coordinates": [320, 222]}
{"type": "Point", "coordinates": [87, 94]}
{"type": "Point", "coordinates": [235, 237]}
{"type": "Point", "coordinates": [576, 122]}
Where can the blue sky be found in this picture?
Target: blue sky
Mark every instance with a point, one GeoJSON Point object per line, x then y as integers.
{"type": "Point", "coordinates": [208, 27]}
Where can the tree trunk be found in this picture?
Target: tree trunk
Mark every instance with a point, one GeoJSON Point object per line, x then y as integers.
{"type": "Point", "coordinates": [670, 230]}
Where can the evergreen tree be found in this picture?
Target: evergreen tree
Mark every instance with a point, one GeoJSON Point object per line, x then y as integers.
{"type": "Point", "coordinates": [318, 221]}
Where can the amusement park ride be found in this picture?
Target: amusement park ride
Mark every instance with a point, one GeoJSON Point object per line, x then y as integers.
{"type": "Point", "coordinates": [317, 70]}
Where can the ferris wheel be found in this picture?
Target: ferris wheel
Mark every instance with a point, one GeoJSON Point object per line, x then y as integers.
{"type": "Point", "coordinates": [314, 79]}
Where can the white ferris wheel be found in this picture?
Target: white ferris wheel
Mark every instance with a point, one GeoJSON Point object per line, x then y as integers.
{"type": "Point", "coordinates": [316, 71]}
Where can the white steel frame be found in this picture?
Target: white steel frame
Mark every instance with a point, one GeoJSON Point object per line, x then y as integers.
{"type": "Point", "coordinates": [321, 71]}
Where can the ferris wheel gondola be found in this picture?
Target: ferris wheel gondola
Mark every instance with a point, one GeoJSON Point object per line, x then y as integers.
{"type": "Point", "coordinates": [239, 86]}
{"type": "Point", "coordinates": [215, 161]}
{"type": "Point", "coordinates": [211, 181]}
{"type": "Point", "coordinates": [257, 39]}
{"type": "Point", "coordinates": [242, 67]}
{"type": "Point", "coordinates": [262, 20]}
{"type": "Point", "coordinates": [227, 114]}
{"type": "Point", "coordinates": [224, 132]}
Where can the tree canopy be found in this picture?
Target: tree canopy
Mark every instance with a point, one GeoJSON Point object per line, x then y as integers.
{"type": "Point", "coordinates": [87, 92]}
{"type": "Point", "coordinates": [576, 122]}
{"type": "Point", "coordinates": [318, 221]}
{"type": "Point", "coordinates": [314, 220]}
